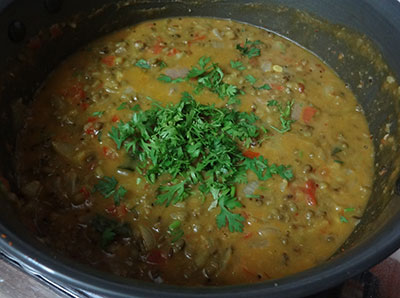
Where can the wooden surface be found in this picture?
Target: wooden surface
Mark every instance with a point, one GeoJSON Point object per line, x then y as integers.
{"type": "Point", "coordinates": [15, 283]}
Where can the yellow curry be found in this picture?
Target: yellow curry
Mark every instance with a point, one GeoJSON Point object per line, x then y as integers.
{"type": "Point", "coordinates": [194, 151]}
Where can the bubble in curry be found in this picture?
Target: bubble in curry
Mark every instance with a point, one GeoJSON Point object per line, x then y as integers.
{"type": "Point", "coordinates": [194, 151]}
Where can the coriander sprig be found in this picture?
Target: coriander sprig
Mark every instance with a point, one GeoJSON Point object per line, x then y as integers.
{"type": "Point", "coordinates": [174, 229]}
{"type": "Point", "coordinates": [285, 114]}
{"type": "Point", "coordinates": [208, 76]}
{"type": "Point", "coordinates": [143, 64]}
{"type": "Point", "coordinates": [109, 229]}
{"type": "Point", "coordinates": [249, 48]}
{"type": "Point", "coordinates": [107, 186]}
{"type": "Point", "coordinates": [237, 65]}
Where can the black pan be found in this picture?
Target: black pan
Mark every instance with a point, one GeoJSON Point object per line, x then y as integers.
{"type": "Point", "coordinates": [367, 32]}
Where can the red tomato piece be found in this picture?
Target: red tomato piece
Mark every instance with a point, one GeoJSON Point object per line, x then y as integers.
{"type": "Point", "coordinates": [108, 60]}
{"type": "Point", "coordinates": [85, 192]}
{"type": "Point", "coordinates": [109, 153]}
{"type": "Point", "coordinates": [106, 151]}
{"type": "Point", "coordinates": [118, 211]}
{"type": "Point", "coordinates": [248, 235]}
{"type": "Point", "coordinates": [158, 47]}
{"type": "Point", "coordinates": [251, 154]}
{"type": "Point", "coordinates": [173, 52]}
{"type": "Point", "coordinates": [310, 190]}
{"type": "Point", "coordinates": [308, 114]}
{"type": "Point", "coordinates": [198, 37]}
{"type": "Point", "coordinates": [84, 106]}
{"type": "Point", "coordinates": [90, 131]}
{"type": "Point", "coordinates": [156, 257]}
{"type": "Point", "coordinates": [75, 93]}
{"type": "Point", "coordinates": [277, 87]}
{"type": "Point", "coordinates": [92, 119]}
{"type": "Point", "coordinates": [121, 210]}
{"type": "Point", "coordinates": [55, 31]}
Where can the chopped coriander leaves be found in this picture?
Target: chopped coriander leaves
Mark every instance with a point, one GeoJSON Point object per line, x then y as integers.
{"type": "Point", "coordinates": [174, 229]}
{"type": "Point", "coordinates": [349, 209]}
{"type": "Point", "coordinates": [208, 75]}
{"type": "Point", "coordinates": [336, 150]}
{"type": "Point", "coordinates": [154, 101]}
{"type": "Point", "coordinates": [202, 142]}
{"type": "Point", "coordinates": [249, 48]}
{"type": "Point", "coordinates": [109, 229]}
{"type": "Point", "coordinates": [250, 79]}
{"type": "Point", "coordinates": [263, 87]}
{"type": "Point", "coordinates": [272, 103]}
{"type": "Point", "coordinates": [174, 225]}
{"type": "Point", "coordinates": [122, 106]}
{"type": "Point", "coordinates": [166, 79]}
{"type": "Point", "coordinates": [107, 237]}
{"type": "Point", "coordinates": [343, 219]}
{"type": "Point", "coordinates": [172, 194]}
{"type": "Point", "coordinates": [98, 114]}
{"type": "Point", "coordinates": [135, 108]}
{"type": "Point", "coordinates": [201, 68]}
{"type": "Point", "coordinates": [142, 64]}
{"type": "Point", "coordinates": [121, 133]}
{"type": "Point", "coordinates": [233, 101]}
{"type": "Point", "coordinates": [234, 221]}
{"type": "Point", "coordinates": [115, 135]}
{"type": "Point", "coordinates": [162, 64]}
{"type": "Point", "coordinates": [264, 171]}
{"type": "Point", "coordinates": [237, 65]}
{"type": "Point", "coordinates": [253, 196]}
{"type": "Point", "coordinates": [285, 114]}
{"type": "Point", "coordinates": [119, 194]}
{"type": "Point", "coordinates": [334, 154]}
{"type": "Point", "coordinates": [107, 186]}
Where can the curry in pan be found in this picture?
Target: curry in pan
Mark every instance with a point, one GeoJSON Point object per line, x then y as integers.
{"type": "Point", "coordinates": [194, 151]}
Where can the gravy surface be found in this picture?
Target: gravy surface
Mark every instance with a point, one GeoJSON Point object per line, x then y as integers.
{"type": "Point", "coordinates": [307, 118]}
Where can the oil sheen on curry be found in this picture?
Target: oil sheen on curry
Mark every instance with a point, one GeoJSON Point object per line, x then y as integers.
{"type": "Point", "coordinates": [194, 151]}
